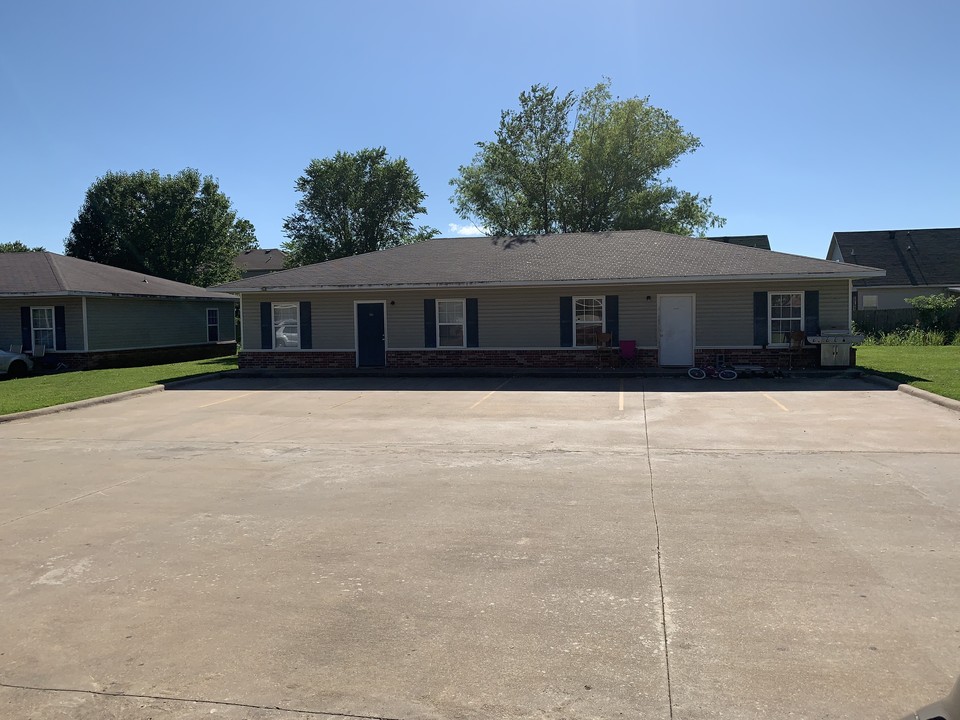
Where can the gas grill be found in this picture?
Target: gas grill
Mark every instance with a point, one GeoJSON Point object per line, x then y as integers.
{"type": "Point", "coordinates": [835, 346]}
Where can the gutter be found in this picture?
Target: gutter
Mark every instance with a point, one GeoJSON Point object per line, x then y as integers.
{"type": "Point", "coordinates": [699, 279]}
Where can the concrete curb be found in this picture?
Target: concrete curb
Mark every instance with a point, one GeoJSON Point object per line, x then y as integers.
{"type": "Point", "coordinates": [105, 399]}
{"type": "Point", "coordinates": [946, 402]}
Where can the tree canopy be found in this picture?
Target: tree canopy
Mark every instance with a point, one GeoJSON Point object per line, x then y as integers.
{"type": "Point", "coordinates": [354, 203]}
{"type": "Point", "coordinates": [581, 163]}
{"type": "Point", "coordinates": [17, 246]}
{"type": "Point", "coordinates": [180, 227]}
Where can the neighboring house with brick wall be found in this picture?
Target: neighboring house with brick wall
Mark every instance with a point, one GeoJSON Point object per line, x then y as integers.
{"type": "Point", "coordinates": [918, 262]}
{"type": "Point", "coordinates": [540, 301]}
{"type": "Point", "coordinates": [89, 315]}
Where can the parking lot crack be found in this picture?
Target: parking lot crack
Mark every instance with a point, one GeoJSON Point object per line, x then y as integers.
{"type": "Point", "coordinates": [71, 500]}
{"type": "Point", "coordinates": [656, 524]}
{"type": "Point", "coordinates": [197, 701]}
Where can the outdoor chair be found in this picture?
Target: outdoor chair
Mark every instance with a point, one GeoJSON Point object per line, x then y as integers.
{"type": "Point", "coordinates": [16, 349]}
{"type": "Point", "coordinates": [605, 352]}
{"type": "Point", "coordinates": [39, 351]}
{"type": "Point", "coordinates": [628, 354]}
{"type": "Point", "coordinates": [797, 339]}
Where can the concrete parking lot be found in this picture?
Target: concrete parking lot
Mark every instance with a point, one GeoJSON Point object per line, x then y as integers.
{"type": "Point", "coordinates": [482, 548]}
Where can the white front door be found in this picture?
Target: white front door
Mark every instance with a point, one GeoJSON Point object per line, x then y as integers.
{"type": "Point", "coordinates": [675, 322]}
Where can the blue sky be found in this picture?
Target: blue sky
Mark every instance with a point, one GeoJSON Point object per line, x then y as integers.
{"type": "Point", "coordinates": [814, 116]}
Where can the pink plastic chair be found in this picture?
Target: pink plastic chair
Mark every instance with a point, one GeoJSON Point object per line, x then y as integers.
{"type": "Point", "coordinates": [628, 353]}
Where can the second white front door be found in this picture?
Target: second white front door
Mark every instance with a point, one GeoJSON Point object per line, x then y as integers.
{"type": "Point", "coordinates": [675, 320]}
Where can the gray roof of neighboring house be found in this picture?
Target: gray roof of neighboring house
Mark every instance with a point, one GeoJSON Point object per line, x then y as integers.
{"type": "Point", "coordinates": [569, 258]}
{"type": "Point", "coordinates": [46, 273]}
{"type": "Point", "coordinates": [754, 241]}
{"type": "Point", "coordinates": [260, 260]}
{"type": "Point", "coordinates": [910, 257]}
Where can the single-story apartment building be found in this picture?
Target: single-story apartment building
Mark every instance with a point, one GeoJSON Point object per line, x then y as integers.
{"type": "Point", "coordinates": [86, 315]}
{"type": "Point", "coordinates": [918, 262]}
{"type": "Point", "coordinates": [539, 301]}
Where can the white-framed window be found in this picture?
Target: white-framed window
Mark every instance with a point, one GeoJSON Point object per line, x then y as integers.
{"type": "Point", "coordinates": [587, 320]}
{"type": "Point", "coordinates": [213, 325]}
{"type": "Point", "coordinates": [286, 325]}
{"type": "Point", "coordinates": [42, 327]}
{"type": "Point", "coordinates": [451, 323]}
{"type": "Point", "coordinates": [869, 301]}
{"type": "Point", "coordinates": [785, 316]}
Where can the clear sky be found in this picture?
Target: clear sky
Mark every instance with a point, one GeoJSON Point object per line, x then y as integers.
{"type": "Point", "coordinates": [814, 116]}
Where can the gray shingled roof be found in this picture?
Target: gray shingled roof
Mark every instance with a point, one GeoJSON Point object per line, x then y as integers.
{"type": "Point", "coordinates": [910, 257]}
{"type": "Point", "coordinates": [46, 273]}
{"type": "Point", "coordinates": [260, 260]}
{"type": "Point", "coordinates": [628, 256]}
{"type": "Point", "coordinates": [754, 241]}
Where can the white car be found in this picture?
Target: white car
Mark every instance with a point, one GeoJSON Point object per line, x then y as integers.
{"type": "Point", "coordinates": [14, 364]}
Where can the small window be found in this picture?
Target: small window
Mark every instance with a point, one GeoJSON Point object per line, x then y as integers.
{"type": "Point", "coordinates": [451, 321]}
{"type": "Point", "coordinates": [213, 325]}
{"type": "Point", "coordinates": [786, 316]}
{"type": "Point", "coordinates": [869, 301]}
{"type": "Point", "coordinates": [587, 319]}
{"type": "Point", "coordinates": [41, 325]}
{"type": "Point", "coordinates": [286, 325]}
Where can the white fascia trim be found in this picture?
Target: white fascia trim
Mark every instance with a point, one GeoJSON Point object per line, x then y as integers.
{"type": "Point", "coordinates": [729, 347]}
{"type": "Point", "coordinates": [709, 279]}
{"type": "Point", "coordinates": [74, 293]}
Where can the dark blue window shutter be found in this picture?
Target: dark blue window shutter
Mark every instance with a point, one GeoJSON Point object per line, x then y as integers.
{"type": "Point", "coordinates": [60, 327]}
{"type": "Point", "coordinates": [612, 310]}
{"type": "Point", "coordinates": [811, 312]}
{"type": "Point", "coordinates": [566, 321]}
{"type": "Point", "coordinates": [266, 326]}
{"type": "Point", "coordinates": [429, 323]}
{"type": "Point", "coordinates": [760, 318]}
{"type": "Point", "coordinates": [26, 337]}
{"type": "Point", "coordinates": [473, 323]}
{"type": "Point", "coordinates": [306, 328]}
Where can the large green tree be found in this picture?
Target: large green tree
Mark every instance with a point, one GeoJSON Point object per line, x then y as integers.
{"type": "Point", "coordinates": [17, 246]}
{"type": "Point", "coordinates": [354, 203]}
{"type": "Point", "coordinates": [180, 227]}
{"type": "Point", "coordinates": [581, 163]}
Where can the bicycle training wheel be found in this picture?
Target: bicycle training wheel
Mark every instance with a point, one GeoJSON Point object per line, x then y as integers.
{"type": "Point", "coordinates": [697, 373]}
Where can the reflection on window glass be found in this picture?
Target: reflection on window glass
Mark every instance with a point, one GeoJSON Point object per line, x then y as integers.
{"type": "Point", "coordinates": [588, 319]}
{"type": "Point", "coordinates": [450, 323]}
{"type": "Point", "coordinates": [786, 316]}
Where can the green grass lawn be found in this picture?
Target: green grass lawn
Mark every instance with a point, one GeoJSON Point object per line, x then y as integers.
{"type": "Point", "coordinates": [41, 391]}
{"type": "Point", "coordinates": [932, 368]}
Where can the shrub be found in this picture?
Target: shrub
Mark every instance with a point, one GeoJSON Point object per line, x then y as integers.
{"type": "Point", "coordinates": [933, 311]}
{"type": "Point", "coordinates": [911, 336]}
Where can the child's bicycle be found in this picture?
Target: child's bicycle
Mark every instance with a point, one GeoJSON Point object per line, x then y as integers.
{"type": "Point", "coordinates": [720, 370]}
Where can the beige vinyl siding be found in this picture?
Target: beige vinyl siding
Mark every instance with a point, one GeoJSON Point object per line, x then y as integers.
{"type": "Point", "coordinates": [10, 319]}
{"type": "Point", "coordinates": [126, 323]}
{"type": "Point", "coordinates": [530, 317]}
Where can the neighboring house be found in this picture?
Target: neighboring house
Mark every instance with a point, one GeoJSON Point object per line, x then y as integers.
{"type": "Point", "coordinates": [539, 302]}
{"type": "Point", "coordinates": [259, 262]}
{"type": "Point", "coordinates": [918, 262]}
{"type": "Point", "coordinates": [754, 241]}
{"type": "Point", "coordinates": [89, 315]}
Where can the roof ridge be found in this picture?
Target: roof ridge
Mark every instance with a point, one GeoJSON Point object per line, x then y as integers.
{"type": "Point", "coordinates": [55, 269]}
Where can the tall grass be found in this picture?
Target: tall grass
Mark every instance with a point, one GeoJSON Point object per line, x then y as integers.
{"type": "Point", "coordinates": [913, 336]}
